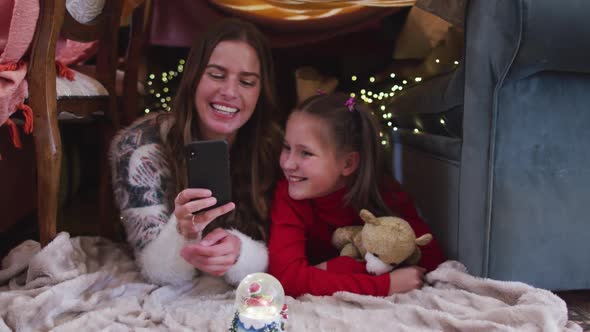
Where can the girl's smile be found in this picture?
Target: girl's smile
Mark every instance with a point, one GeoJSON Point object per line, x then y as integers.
{"type": "Point", "coordinates": [310, 163]}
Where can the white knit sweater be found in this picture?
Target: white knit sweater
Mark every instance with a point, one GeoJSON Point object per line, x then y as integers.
{"type": "Point", "coordinates": [141, 178]}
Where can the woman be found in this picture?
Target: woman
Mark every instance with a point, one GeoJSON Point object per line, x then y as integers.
{"type": "Point", "coordinates": [227, 92]}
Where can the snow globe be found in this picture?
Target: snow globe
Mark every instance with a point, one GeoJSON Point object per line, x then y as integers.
{"type": "Point", "coordinates": [260, 305]}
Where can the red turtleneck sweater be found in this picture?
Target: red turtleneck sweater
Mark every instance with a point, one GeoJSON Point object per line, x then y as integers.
{"type": "Point", "coordinates": [300, 237]}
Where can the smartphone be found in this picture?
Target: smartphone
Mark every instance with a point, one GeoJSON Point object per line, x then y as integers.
{"type": "Point", "coordinates": [208, 168]}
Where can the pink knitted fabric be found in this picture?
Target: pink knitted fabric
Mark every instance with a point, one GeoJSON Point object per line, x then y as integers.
{"type": "Point", "coordinates": [19, 18]}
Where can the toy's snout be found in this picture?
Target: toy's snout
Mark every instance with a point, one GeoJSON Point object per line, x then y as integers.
{"type": "Point", "coordinates": [376, 266]}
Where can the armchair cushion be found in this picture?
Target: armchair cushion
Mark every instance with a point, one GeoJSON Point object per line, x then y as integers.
{"type": "Point", "coordinates": [550, 42]}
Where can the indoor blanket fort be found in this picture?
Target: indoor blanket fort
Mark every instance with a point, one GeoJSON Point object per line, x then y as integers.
{"type": "Point", "coordinates": [89, 284]}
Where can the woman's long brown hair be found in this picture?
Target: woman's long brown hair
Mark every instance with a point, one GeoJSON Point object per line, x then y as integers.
{"type": "Point", "coordinates": [254, 152]}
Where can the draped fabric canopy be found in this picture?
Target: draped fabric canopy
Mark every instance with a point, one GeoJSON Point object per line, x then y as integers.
{"type": "Point", "coordinates": [295, 15]}
{"type": "Point", "coordinates": [287, 23]}
{"type": "Point", "coordinates": [295, 22]}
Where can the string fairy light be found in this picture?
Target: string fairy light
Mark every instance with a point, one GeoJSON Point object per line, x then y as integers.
{"type": "Point", "coordinates": [163, 88]}
{"type": "Point", "coordinates": [384, 91]}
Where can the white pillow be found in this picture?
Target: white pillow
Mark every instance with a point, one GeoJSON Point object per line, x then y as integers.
{"type": "Point", "coordinates": [84, 11]}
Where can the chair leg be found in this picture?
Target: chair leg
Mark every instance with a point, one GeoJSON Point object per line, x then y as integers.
{"type": "Point", "coordinates": [107, 216]}
{"type": "Point", "coordinates": [107, 222]}
{"type": "Point", "coordinates": [48, 155]}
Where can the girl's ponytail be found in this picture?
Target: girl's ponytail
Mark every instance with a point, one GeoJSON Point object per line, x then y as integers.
{"type": "Point", "coordinates": [364, 191]}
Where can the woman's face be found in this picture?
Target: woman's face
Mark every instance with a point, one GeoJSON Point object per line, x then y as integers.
{"type": "Point", "coordinates": [228, 91]}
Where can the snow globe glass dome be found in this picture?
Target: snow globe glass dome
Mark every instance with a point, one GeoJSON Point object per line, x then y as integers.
{"type": "Point", "coordinates": [260, 304]}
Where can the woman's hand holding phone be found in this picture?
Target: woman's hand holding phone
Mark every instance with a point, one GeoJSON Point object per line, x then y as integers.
{"type": "Point", "coordinates": [187, 205]}
{"type": "Point", "coordinates": [218, 251]}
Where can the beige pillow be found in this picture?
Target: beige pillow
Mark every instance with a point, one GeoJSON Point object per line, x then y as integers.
{"type": "Point", "coordinates": [309, 82]}
{"type": "Point", "coordinates": [452, 11]}
{"type": "Point", "coordinates": [421, 33]}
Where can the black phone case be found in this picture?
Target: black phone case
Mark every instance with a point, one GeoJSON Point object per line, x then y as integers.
{"type": "Point", "coordinates": [208, 168]}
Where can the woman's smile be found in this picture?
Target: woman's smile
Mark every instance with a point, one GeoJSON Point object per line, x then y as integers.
{"type": "Point", "coordinates": [224, 111]}
{"type": "Point", "coordinates": [228, 91]}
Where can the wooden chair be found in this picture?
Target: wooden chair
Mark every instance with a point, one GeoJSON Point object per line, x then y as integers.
{"type": "Point", "coordinates": [135, 61]}
{"type": "Point", "coordinates": [47, 103]}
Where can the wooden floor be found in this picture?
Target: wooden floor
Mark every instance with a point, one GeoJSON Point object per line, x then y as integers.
{"type": "Point", "coordinates": [578, 303]}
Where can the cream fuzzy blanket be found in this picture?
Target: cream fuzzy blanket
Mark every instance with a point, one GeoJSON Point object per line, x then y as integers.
{"type": "Point", "coordinates": [90, 284]}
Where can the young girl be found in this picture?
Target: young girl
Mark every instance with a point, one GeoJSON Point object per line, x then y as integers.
{"type": "Point", "coordinates": [330, 160]}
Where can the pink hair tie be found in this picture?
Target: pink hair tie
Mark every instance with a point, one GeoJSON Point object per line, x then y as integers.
{"type": "Point", "coordinates": [350, 103]}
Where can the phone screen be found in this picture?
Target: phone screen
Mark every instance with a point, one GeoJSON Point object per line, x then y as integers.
{"type": "Point", "coordinates": [208, 168]}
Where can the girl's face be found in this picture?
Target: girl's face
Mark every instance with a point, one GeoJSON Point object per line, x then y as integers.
{"type": "Point", "coordinates": [228, 91]}
{"type": "Point", "coordinates": [309, 160]}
